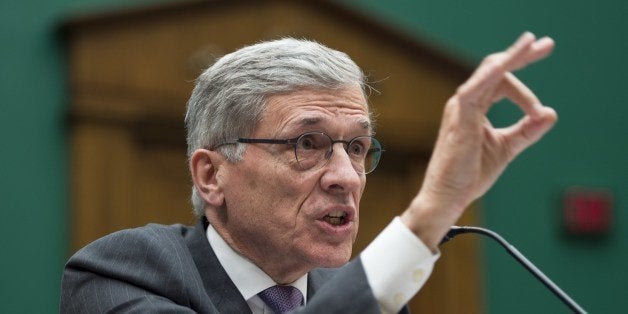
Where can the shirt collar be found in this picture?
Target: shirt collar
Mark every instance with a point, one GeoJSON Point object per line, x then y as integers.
{"type": "Point", "coordinates": [247, 277]}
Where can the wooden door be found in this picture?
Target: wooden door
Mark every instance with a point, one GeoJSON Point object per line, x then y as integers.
{"type": "Point", "coordinates": [132, 72]}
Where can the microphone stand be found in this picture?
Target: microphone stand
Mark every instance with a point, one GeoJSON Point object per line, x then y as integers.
{"type": "Point", "coordinates": [455, 230]}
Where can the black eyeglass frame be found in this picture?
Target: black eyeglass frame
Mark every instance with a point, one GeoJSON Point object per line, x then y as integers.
{"type": "Point", "coordinates": [293, 142]}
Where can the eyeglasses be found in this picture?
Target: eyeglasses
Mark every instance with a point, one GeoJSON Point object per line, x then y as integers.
{"type": "Point", "coordinates": [313, 150]}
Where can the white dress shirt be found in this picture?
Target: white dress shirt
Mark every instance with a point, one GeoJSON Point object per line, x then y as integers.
{"type": "Point", "coordinates": [397, 265]}
{"type": "Point", "coordinates": [247, 277]}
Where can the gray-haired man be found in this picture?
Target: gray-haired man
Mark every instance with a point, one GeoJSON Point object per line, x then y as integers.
{"type": "Point", "coordinates": [279, 145]}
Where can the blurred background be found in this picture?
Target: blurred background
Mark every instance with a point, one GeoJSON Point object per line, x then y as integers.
{"type": "Point", "coordinates": [93, 94]}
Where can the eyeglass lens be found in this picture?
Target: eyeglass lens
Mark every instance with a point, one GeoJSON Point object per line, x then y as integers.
{"type": "Point", "coordinates": [314, 149]}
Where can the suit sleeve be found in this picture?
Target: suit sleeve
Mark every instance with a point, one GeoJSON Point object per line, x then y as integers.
{"type": "Point", "coordinates": [389, 272]}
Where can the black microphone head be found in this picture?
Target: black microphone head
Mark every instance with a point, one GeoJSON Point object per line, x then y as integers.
{"type": "Point", "coordinates": [453, 231]}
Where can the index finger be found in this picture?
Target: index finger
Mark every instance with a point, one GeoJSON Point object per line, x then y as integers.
{"type": "Point", "coordinates": [530, 53]}
{"type": "Point", "coordinates": [522, 96]}
{"type": "Point", "coordinates": [486, 79]}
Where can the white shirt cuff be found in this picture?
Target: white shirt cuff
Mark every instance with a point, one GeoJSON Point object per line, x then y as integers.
{"type": "Point", "coordinates": [397, 264]}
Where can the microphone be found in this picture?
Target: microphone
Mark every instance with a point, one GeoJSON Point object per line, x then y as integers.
{"type": "Point", "coordinates": [456, 230]}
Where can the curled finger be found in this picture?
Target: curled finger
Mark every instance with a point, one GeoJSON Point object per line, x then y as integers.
{"type": "Point", "coordinates": [487, 77]}
{"type": "Point", "coordinates": [513, 89]}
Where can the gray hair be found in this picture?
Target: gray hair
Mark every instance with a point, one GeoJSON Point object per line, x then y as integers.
{"type": "Point", "coordinates": [229, 97]}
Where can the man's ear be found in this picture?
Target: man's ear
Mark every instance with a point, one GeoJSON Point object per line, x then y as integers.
{"type": "Point", "coordinates": [204, 167]}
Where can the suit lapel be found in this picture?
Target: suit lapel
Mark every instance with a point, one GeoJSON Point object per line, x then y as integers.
{"type": "Point", "coordinates": [219, 287]}
{"type": "Point", "coordinates": [316, 278]}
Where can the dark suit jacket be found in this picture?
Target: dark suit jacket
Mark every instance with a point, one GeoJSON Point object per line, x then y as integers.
{"type": "Point", "coordinates": [172, 269]}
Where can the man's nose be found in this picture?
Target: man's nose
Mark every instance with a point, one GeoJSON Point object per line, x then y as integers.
{"type": "Point", "coordinates": [340, 174]}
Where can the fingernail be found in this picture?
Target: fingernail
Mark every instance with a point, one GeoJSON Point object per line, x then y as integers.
{"type": "Point", "coordinates": [527, 34]}
{"type": "Point", "coordinates": [545, 40]}
{"type": "Point", "coordinates": [537, 112]}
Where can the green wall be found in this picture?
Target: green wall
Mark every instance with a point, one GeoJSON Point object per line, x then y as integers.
{"type": "Point", "coordinates": [585, 80]}
{"type": "Point", "coordinates": [34, 152]}
{"type": "Point", "coordinates": [33, 158]}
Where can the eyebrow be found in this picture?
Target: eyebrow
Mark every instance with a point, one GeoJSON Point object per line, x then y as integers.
{"type": "Point", "coordinates": [308, 121]}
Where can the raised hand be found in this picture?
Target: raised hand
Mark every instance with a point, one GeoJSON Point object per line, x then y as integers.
{"type": "Point", "coordinates": [470, 153]}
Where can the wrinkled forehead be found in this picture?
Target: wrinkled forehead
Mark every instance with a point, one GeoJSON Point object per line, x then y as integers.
{"type": "Point", "coordinates": [319, 109]}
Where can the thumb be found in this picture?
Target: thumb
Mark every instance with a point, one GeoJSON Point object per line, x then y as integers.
{"type": "Point", "coordinates": [528, 131]}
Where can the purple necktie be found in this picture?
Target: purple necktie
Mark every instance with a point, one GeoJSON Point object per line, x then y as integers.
{"type": "Point", "coordinates": [282, 299]}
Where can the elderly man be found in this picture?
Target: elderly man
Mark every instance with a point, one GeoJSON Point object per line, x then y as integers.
{"type": "Point", "coordinates": [279, 145]}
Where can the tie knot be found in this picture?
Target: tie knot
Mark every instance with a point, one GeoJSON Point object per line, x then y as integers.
{"type": "Point", "coordinates": [282, 299]}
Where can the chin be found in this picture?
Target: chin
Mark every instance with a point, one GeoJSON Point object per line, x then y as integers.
{"type": "Point", "coordinates": [332, 257]}
{"type": "Point", "coordinates": [338, 263]}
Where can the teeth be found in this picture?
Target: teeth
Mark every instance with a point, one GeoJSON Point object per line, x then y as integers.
{"type": "Point", "coordinates": [335, 218]}
{"type": "Point", "coordinates": [337, 214]}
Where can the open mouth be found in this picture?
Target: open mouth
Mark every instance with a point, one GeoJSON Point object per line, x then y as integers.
{"type": "Point", "coordinates": [336, 218]}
